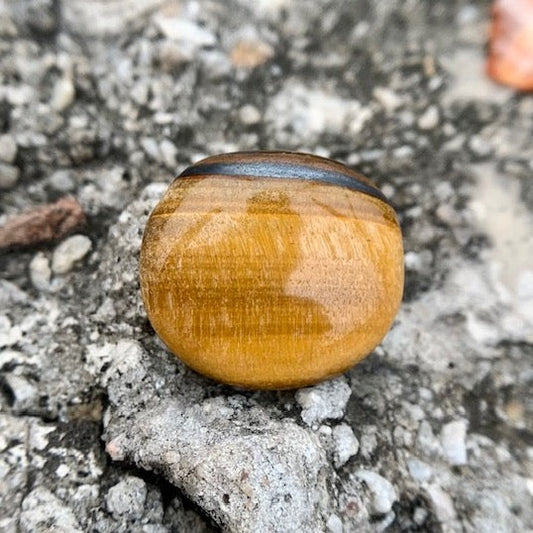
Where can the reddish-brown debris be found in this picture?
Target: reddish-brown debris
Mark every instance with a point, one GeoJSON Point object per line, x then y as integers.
{"type": "Point", "coordinates": [50, 222]}
{"type": "Point", "coordinates": [510, 58]}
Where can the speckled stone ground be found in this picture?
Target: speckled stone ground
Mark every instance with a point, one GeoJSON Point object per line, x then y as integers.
{"type": "Point", "coordinates": [102, 430]}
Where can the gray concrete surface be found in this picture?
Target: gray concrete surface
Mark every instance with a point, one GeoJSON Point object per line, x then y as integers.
{"type": "Point", "coordinates": [102, 430]}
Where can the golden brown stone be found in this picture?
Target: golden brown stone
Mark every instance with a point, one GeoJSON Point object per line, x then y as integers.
{"type": "Point", "coordinates": [271, 282]}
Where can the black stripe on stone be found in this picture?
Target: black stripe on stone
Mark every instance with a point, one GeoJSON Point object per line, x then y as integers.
{"type": "Point", "coordinates": [266, 169]}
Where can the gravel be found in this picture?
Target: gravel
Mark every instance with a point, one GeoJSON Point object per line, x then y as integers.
{"type": "Point", "coordinates": [101, 429]}
{"type": "Point", "coordinates": [383, 493]}
{"type": "Point", "coordinates": [453, 441]}
{"type": "Point", "coordinates": [9, 175]}
{"type": "Point", "coordinates": [327, 400]}
{"type": "Point", "coordinates": [8, 148]}
{"type": "Point", "coordinates": [346, 444]}
{"type": "Point", "coordinates": [41, 510]}
{"type": "Point", "coordinates": [429, 119]}
{"type": "Point", "coordinates": [40, 272]}
{"type": "Point", "coordinates": [69, 252]}
{"type": "Point", "coordinates": [127, 498]}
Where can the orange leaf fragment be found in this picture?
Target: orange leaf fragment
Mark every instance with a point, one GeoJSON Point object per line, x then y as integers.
{"type": "Point", "coordinates": [510, 58]}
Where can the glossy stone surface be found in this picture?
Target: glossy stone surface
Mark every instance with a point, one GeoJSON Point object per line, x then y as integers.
{"type": "Point", "coordinates": [268, 282]}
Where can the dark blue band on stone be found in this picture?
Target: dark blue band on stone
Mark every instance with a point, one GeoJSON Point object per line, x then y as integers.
{"type": "Point", "coordinates": [269, 169]}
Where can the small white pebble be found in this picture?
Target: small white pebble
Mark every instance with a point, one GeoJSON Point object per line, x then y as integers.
{"type": "Point", "coordinates": [23, 391]}
{"type": "Point", "coordinates": [8, 148]}
{"type": "Point", "coordinates": [334, 524]}
{"type": "Point", "coordinates": [327, 400]}
{"type": "Point", "coordinates": [452, 438]}
{"type": "Point", "coordinates": [151, 147]}
{"type": "Point", "coordinates": [383, 492]}
{"type": "Point", "coordinates": [447, 214]}
{"type": "Point", "coordinates": [61, 180]}
{"type": "Point", "coordinates": [127, 498]}
{"type": "Point", "coordinates": [387, 98]}
{"type": "Point", "coordinates": [9, 334]}
{"type": "Point", "coordinates": [419, 470]}
{"type": "Point", "coordinates": [168, 152]}
{"type": "Point", "coordinates": [139, 93]}
{"type": "Point", "coordinates": [40, 272]}
{"type": "Point", "coordinates": [9, 175]}
{"type": "Point", "coordinates": [479, 146]}
{"type": "Point", "coordinates": [63, 94]}
{"type": "Point", "coordinates": [420, 515]}
{"type": "Point", "coordinates": [325, 430]}
{"type": "Point", "coordinates": [403, 152]}
{"type": "Point", "coordinates": [346, 444]}
{"type": "Point", "coordinates": [249, 115]}
{"type": "Point", "coordinates": [388, 190]}
{"type": "Point", "coordinates": [429, 119]}
{"type": "Point", "coordinates": [69, 252]}
{"type": "Point", "coordinates": [62, 471]}
{"type": "Point", "coordinates": [442, 503]}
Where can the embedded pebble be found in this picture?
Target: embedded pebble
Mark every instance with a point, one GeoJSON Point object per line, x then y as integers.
{"type": "Point", "coordinates": [308, 112]}
{"type": "Point", "coordinates": [387, 98]}
{"type": "Point", "coordinates": [10, 294]}
{"type": "Point", "coordinates": [171, 56]}
{"type": "Point", "coordinates": [62, 471]}
{"type": "Point", "coordinates": [187, 33]}
{"type": "Point", "coordinates": [249, 115]}
{"type": "Point", "coordinates": [127, 498]}
{"type": "Point", "coordinates": [452, 438]}
{"type": "Point", "coordinates": [168, 152]}
{"type": "Point", "coordinates": [102, 18]}
{"type": "Point", "coordinates": [43, 511]}
{"type": "Point", "coordinates": [61, 180]}
{"type": "Point", "coordinates": [420, 515]}
{"type": "Point", "coordinates": [150, 146]}
{"type": "Point", "coordinates": [334, 524]}
{"type": "Point", "coordinates": [139, 93]}
{"type": "Point", "coordinates": [252, 53]}
{"type": "Point", "coordinates": [106, 312]}
{"type": "Point", "coordinates": [217, 64]}
{"type": "Point", "coordinates": [69, 252]}
{"type": "Point", "coordinates": [426, 440]}
{"type": "Point", "coordinates": [9, 175]}
{"type": "Point", "coordinates": [429, 119]}
{"type": "Point", "coordinates": [383, 492]}
{"type": "Point", "coordinates": [23, 392]}
{"type": "Point", "coordinates": [418, 261]}
{"type": "Point", "coordinates": [479, 146]}
{"type": "Point", "coordinates": [419, 470]}
{"type": "Point", "coordinates": [40, 272]}
{"type": "Point", "coordinates": [38, 435]}
{"type": "Point", "coordinates": [9, 334]}
{"type": "Point", "coordinates": [346, 444]}
{"type": "Point", "coordinates": [63, 94]}
{"type": "Point", "coordinates": [442, 503]}
{"type": "Point", "coordinates": [8, 148]}
{"type": "Point", "coordinates": [327, 400]}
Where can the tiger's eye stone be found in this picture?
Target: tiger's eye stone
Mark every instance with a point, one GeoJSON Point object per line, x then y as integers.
{"type": "Point", "coordinates": [271, 269]}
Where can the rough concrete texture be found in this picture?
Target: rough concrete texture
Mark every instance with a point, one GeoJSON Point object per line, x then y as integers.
{"type": "Point", "coordinates": [102, 430]}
